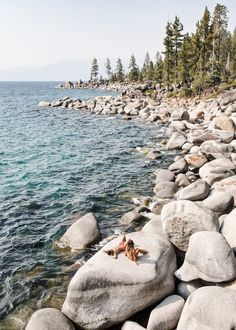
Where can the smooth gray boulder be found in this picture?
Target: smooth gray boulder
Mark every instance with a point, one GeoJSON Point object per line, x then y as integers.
{"type": "Point", "coordinates": [180, 114]}
{"type": "Point", "coordinates": [97, 294]}
{"type": "Point", "coordinates": [154, 154]}
{"type": "Point", "coordinates": [166, 315]}
{"type": "Point", "coordinates": [165, 189]}
{"type": "Point", "coordinates": [44, 104]}
{"type": "Point", "coordinates": [216, 149]}
{"type": "Point", "coordinates": [176, 141]}
{"type": "Point", "coordinates": [184, 289]}
{"type": "Point", "coordinates": [219, 201]}
{"type": "Point", "coordinates": [131, 218]}
{"type": "Point", "coordinates": [180, 219]}
{"type": "Point", "coordinates": [49, 319]}
{"type": "Point", "coordinates": [180, 166]}
{"type": "Point", "coordinates": [217, 170]}
{"type": "Point", "coordinates": [196, 191]}
{"type": "Point", "coordinates": [228, 97]}
{"type": "Point", "coordinates": [209, 257]}
{"type": "Point", "coordinates": [164, 175]}
{"type": "Point", "coordinates": [195, 160]}
{"type": "Point", "coordinates": [227, 185]}
{"type": "Point", "coordinates": [82, 233]}
{"type": "Point", "coordinates": [224, 123]}
{"type": "Point", "coordinates": [130, 325]}
{"type": "Point", "coordinates": [209, 308]}
{"type": "Point", "coordinates": [228, 229]}
{"type": "Point", "coordinates": [182, 180]}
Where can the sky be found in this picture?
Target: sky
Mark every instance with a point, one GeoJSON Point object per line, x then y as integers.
{"type": "Point", "coordinates": [44, 32]}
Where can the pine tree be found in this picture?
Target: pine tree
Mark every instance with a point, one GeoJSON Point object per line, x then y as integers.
{"type": "Point", "coordinates": [158, 68]}
{"type": "Point", "coordinates": [94, 70]}
{"type": "Point", "coordinates": [146, 66]}
{"type": "Point", "coordinates": [133, 74]}
{"type": "Point", "coordinates": [220, 38]}
{"type": "Point", "coordinates": [233, 55]}
{"type": "Point", "coordinates": [177, 36]}
{"type": "Point", "coordinates": [168, 69]}
{"type": "Point", "coordinates": [205, 40]}
{"type": "Point", "coordinates": [185, 62]}
{"type": "Point", "coordinates": [108, 68]}
{"type": "Point", "coordinates": [120, 75]}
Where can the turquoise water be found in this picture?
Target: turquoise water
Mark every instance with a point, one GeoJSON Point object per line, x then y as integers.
{"type": "Point", "coordinates": [56, 164]}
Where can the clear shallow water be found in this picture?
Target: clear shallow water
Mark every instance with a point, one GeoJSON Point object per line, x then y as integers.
{"type": "Point", "coordinates": [55, 165]}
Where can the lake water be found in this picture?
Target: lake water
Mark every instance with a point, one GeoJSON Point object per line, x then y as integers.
{"type": "Point", "coordinates": [56, 165]}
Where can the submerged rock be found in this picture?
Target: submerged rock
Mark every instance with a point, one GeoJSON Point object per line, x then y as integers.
{"type": "Point", "coordinates": [209, 308]}
{"type": "Point", "coordinates": [106, 291]}
{"type": "Point", "coordinates": [49, 319]}
{"type": "Point", "coordinates": [209, 257]}
{"type": "Point", "coordinates": [44, 104]}
{"type": "Point", "coordinates": [84, 232]}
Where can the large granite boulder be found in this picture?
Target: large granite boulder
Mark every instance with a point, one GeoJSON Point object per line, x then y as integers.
{"type": "Point", "coordinates": [195, 160]}
{"type": "Point", "coordinates": [227, 185]}
{"type": "Point", "coordinates": [224, 123]}
{"type": "Point", "coordinates": [216, 149]}
{"type": "Point", "coordinates": [165, 189]}
{"type": "Point", "coordinates": [179, 166]}
{"type": "Point", "coordinates": [166, 315]}
{"type": "Point", "coordinates": [181, 219]}
{"type": "Point", "coordinates": [49, 319]}
{"type": "Point", "coordinates": [209, 257]}
{"type": "Point", "coordinates": [196, 191]}
{"type": "Point", "coordinates": [164, 175]}
{"type": "Point", "coordinates": [176, 141]}
{"type": "Point", "coordinates": [106, 291]}
{"type": "Point", "coordinates": [228, 97]}
{"type": "Point", "coordinates": [209, 308]}
{"type": "Point", "coordinates": [219, 201]}
{"type": "Point", "coordinates": [82, 233]}
{"type": "Point", "coordinates": [217, 170]}
{"type": "Point", "coordinates": [228, 229]}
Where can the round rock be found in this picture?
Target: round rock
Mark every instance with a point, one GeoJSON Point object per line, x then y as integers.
{"type": "Point", "coordinates": [49, 319]}
{"type": "Point", "coordinates": [209, 257]}
{"type": "Point", "coordinates": [181, 219]}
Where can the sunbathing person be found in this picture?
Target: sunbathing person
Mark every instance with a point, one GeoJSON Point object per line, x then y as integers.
{"type": "Point", "coordinates": [116, 250]}
{"type": "Point", "coordinates": [131, 252]}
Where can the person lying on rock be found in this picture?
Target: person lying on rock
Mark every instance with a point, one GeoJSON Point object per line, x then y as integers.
{"type": "Point", "coordinates": [117, 249]}
{"type": "Point", "coordinates": [131, 252]}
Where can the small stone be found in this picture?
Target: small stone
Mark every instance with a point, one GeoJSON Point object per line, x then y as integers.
{"type": "Point", "coordinates": [131, 218]}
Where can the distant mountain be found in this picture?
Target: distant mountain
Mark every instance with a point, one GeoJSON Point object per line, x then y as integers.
{"type": "Point", "coordinates": [64, 70]}
{"type": "Point", "coordinates": [60, 71]}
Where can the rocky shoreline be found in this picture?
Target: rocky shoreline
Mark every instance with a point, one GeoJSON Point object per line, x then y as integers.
{"type": "Point", "coordinates": [187, 277]}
